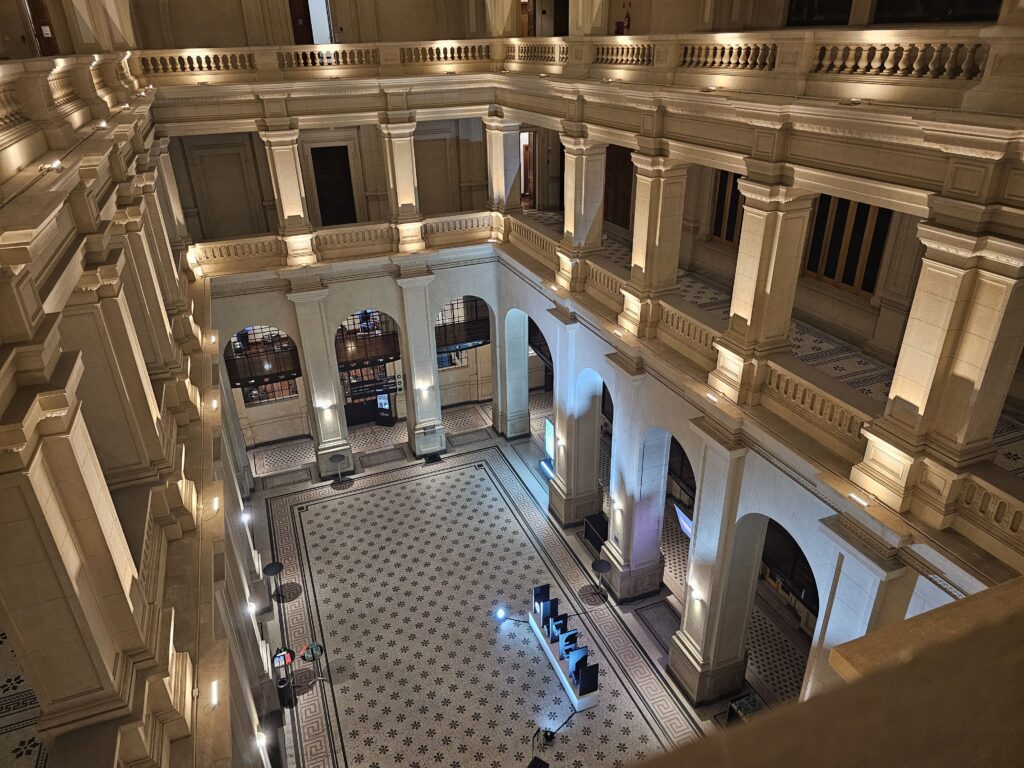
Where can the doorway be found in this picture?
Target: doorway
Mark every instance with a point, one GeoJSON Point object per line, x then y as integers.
{"type": "Point", "coordinates": [332, 173]}
{"type": "Point", "coordinates": [302, 24]}
{"type": "Point", "coordinates": [42, 27]}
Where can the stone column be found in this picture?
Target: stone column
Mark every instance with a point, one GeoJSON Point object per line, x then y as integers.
{"type": "Point", "coordinates": [403, 189]}
{"type": "Point", "coordinates": [657, 236]}
{"type": "Point", "coordinates": [512, 376]}
{"type": "Point", "coordinates": [573, 491]}
{"type": "Point", "coordinates": [419, 355]}
{"type": "Point", "coordinates": [132, 441]}
{"type": "Point", "coordinates": [145, 301]}
{"type": "Point", "coordinates": [768, 264]}
{"type": "Point", "coordinates": [165, 259]}
{"type": "Point", "coordinates": [634, 546]}
{"type": "Point", "coordinates": [504, 164]}
{"type": "Point", "coordinates": [174, 216]}
{"type": "Point", "coordinates": [320, 371]}
{"type": "Point", "coordinates": [289, 193]}
{"type": "Point", "coordinates": [957, 361]}
{"type": "Point", "coordinates": [585, 161]}
{"type": "Point", "coordinates": [708, 654]}
{"type": "Point", "coordinates": [70, 590]}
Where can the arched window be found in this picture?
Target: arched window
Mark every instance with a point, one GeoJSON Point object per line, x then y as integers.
{"type": "Point", "coordinates": [461, 325]}
{"type": "Point", "coordinates": [264, 363]}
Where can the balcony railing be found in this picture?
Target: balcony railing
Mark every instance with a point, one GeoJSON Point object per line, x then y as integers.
{"type": "Point", "coordinates": [825, 62]}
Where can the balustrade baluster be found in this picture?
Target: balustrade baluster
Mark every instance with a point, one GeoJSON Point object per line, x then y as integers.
{"type": "Point", "coordinates": [967, 68]}
{"type": "Point", "coordinates": [924, 54]}
{"type": "Point", "coordinates": [953, 61]}
{"type": "Point", "coordinates": [938, 60]}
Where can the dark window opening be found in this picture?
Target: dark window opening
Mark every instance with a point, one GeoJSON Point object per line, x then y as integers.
{"type": "Point", "coordinates": [539, 345]}
{"type": "Point", "coordinates": [333, 175]}
{"type": "Point", "coordinates": [462, 324]}
{"type": "Point", "coordinates": [787, 566]}
{"type": "Point", "coordinates": [368, 336]}
{"type": "Point", "coordinates": [935, 11]}
{"type": "Point", "coordinates": [618, 186]}
{"type": "Point", "coordinates": [847, 243]}
{"type": "Point", "coordinates": [725, 225]}
{"type": "Point", "coordinates": [819, 13]}
{"type": "Point", "coordinates": [263, 362]}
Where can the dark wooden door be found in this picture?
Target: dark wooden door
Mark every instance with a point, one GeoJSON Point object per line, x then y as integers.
{"type": "Point", "coordinates": [333, 174]}
{"type": "Point", "coordinates": [618, 186]}
{"type": "Point", "coordinates": [302, 25]}
{"type": "Point", "coordinates": [43, 28]}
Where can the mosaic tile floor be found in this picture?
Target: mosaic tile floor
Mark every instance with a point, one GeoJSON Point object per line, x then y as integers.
{"type": "Point", "coordinates": [404, 570]}
{"type": "Point", "coordinates": [457, 419]}
{"type": "Point", "coordinates": [282, 457]}
{"type": "Point", "coordinates": [837, 358]}
{"type": "Point", "coordinates": [19, 714]}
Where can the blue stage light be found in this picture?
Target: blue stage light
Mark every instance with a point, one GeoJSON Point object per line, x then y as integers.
{"type": "Point", "coordinates": [500, 614]}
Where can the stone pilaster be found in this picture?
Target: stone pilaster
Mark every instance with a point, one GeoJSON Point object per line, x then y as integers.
{"type": "Point", "coordinates": [657, 233]}
{"type": "Point", "coordinates": [282, 147]}
{"type": "Point", "coordinates": [959, 354]}
{"type": "Point", "coordinates": [504, 165]}
{"type": "Point", "coordinates": [423, 397]}
{"type": "Point", "coordinates": [403, 188]}
{"type": "Point", "coordinates": [768, 265]}
{"type": "Point", "coordinates": [320, 371]}
{"type": "Point", "coordinates": [708, 655]}
{"type": "Point", "coordinates": [512, 379]}
{"type": "Point", "coordinates": [634, 541]}
{"type": "Point", "coordinates": [585, 161]}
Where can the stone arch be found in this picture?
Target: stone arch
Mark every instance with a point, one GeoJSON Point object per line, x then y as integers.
{"type": "Point", "coordinates": [369, 346]}
{"type": "Point", "coordinates": [264, 362]}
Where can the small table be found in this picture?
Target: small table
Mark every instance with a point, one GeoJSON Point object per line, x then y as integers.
{"type": "Point", "coordinates": [601, 567]}
{"type": "Point", "coordinates": [337, 459]}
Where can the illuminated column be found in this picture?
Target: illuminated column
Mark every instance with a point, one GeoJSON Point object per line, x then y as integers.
{"type": "Point", "coordinates": [320, 370]}
{"type": "Point", "coordinates": [512, 378]}
{"type": "Point", "coordinates": [657, 234]}
{"type": "Point", "coordinates": [289, 194]}
{"type": "Point", "coordinates": [585, 161]}
{"type": "Point", "coordinates": [145, 300]}
{"type": "Point", "coordinates": [959, 354]}
{"type": "Point", "coordinates": [768, 264]}
{"type": "Point", "coordinates": [170, 198]}
{"type": "Point", "coordinates": [504, 164]}
{"type": "Point", "coordinates": [419, 353]}
{"type": "Point", "coordinates": [70, 589]}
{"type": "Point", "coordinates": [633, 549]}
{"type": "Point", "coordinates": [165, 260]}
{"type": "Point", "coordinates": [573, 491]}
{"type": "Point", "coordinates": [132, 441]}
{"type": "Point", "coordinates": [403, 190]}
{"type": "Point", "coordinates": [708, 655]}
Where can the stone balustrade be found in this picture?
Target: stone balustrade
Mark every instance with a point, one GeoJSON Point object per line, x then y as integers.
{"type": "Point", "coordinates": [828, 410]}
{"type": "Point", "coordinates": [458, 229]}
{"type": "Point", "coordinates": [535, 240]}
{"type": "Point", "coordinates": [990, 499]}
{"type": "Point", "coordinates": [821, 63]}
{"type": "Point", "coordinates": [604, 284]}
{"type": "Point", "coordinates": [352, 240]}
{"type": "Point", "coordinates": [691, 331]}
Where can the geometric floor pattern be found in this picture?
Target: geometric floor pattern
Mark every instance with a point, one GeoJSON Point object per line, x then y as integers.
{"type": "Point", "coordinates": [282, 457]}
{"type": "Point", "coordinates": [838, 359]}
{"type": "Point", "coordinates": [19, 715]}
{"type": "Point", "coordinates": [401, 572]}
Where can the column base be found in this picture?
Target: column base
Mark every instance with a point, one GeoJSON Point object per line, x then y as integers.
{"type": "Point", "coordinates": [428, 439]}
{"type": "Point", "coordinates": [512, 425]}
{"type": "Point", "coordinates": [702, 683]}
{"type": "Point", "coordinates": [410, 236]}
{"type": "Point", "coordinates": [570, 510]}
{"type": "Point", "coordinates": [572, 273]}
{"type": "Point", "coordinates": [641, 312]}
{"type": "Point", "coordinates": [741, 373]}
{"type": "Point", "coordinates": [300, 248]}
{"type": "Point", "coordinates": [626, 582]}
{"type": "Point", "coordinates": [328, 469]}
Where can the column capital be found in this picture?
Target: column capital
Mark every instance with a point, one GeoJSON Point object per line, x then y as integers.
{"type": "Point", "coordinates": [398, 130]}
{"type": "Point", "coordinates": [501, 124]}
{"type": "Point", "coordinates": [314, 296]}
{"type": "Point", "coordinates": [279, 136]}
{"type": "Point", "coordinates": [582, 145]}
{"type": "Point", "coordinates": [657, 165]}
{"type": "Point", "coordinates": [416, 280]}
{"type": "Point", "coordinates": [968, 251]}
{"type": "Point", "coordinates": [775, 197]}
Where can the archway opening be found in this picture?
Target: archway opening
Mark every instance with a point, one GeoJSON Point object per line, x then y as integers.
{"type": "Point", "coordinates": [262, 397]}
{"type": "Point", "coordinates": [369, 351]}
{"type": "Point", "coordinates": [591, 434]}
{"type": "Point", "coordinates": [541, 386]}
{"type": "Point", "coordinates": [463, 331]}
{"type": "Point", "coordinates": [524, 394]}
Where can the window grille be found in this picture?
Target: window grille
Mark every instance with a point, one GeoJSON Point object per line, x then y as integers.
{"type": "Point", "coordinates": [367, 337]}
{"type": "Point", "coordinates": [847, 243]}
{"type": "Point", "coordinates": [263, 362]}
{"type": "Point", "coordinates": [462, 324]}
{"type": "Point", "coordinates": [725, 225]}
{"type": "Point", "coordinates": [366, 382]}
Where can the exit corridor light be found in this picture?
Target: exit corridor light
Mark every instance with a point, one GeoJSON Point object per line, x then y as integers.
{"type": "Point", "coordinates": [712, 397]}
{"type": "Point", "coordinates": [251, 607]}
{"type": "Point", "coordinates": [214, 694]}
{"type": "Point", "coordinates": [859, 499]}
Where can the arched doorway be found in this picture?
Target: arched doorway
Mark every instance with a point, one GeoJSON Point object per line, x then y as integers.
{"type": "Point", "coordinates": [590, 434]}
{"type": "Point", "coordinates": [463, 331]}
{"type": "Point", "coordinates": [369, 351]}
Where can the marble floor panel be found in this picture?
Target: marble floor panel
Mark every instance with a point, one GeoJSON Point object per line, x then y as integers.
{"type": "Point", "coordinates": [282, 457]}
{"type": "Point", "coordinates": [401, 572]}
{"type": "Point", "coordinates": [20, 746]}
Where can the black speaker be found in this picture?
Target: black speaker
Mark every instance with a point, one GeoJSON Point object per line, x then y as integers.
{"type": "Point", "coordinates": [285, 693]}
{"type": "Point", "coordinates": [537, 763]}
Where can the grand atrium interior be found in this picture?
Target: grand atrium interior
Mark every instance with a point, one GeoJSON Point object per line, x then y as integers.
{"type": "Point", "coordinates": [568, 383]}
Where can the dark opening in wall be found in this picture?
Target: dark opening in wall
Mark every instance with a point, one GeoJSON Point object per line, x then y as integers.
{"type": "Point", "coordinates": [333, 174]}
{"type": "Point", "coordinates": [935, 11]}
{"type": "Point", "coordinates": [818, 13]}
